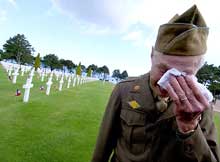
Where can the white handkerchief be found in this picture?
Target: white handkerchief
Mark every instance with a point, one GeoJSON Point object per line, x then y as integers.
{"type": "Point", "coordinates": [165, 79]}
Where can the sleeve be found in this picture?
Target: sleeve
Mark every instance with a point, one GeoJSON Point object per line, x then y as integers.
{"type": "Point", "coordinates": [107, 137]}
{"type": "Point", "coordinates": [202, 145]}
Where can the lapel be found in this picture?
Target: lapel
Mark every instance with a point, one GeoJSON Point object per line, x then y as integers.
{"type": "Point", "coordinates": [141, 93]}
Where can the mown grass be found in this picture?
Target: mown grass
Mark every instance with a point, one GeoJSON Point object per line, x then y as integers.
{"type": "Point", "coordinates": [61, 127]}
{"type": "Point", "coordinates": [217, 125]}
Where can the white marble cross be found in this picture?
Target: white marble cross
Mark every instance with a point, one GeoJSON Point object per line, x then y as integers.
{"type": "Point", "coordinates": [57, 75]}
{"type": "Point", "coordinates": [9, 70]}
{"type": "Point", "coordinates": [22, 71]}
{"type": "Point", "coordinates": [78, 79]}
{"type": "Point", "coordinates": [69, 81]}
{"type": "Point", "coordinates": [61, 83]}
{"type": "Point", "coordinates": [49, 83]}
{"type": "Point", "coordinates": [15, 74]}
{"type": "Point", "coordinates": [42, 75]}
{"type": "Point", "coordinates": [31, 74]}
{"type": "Point", "coordinates": [74, 81]}
{"type": "Point", "coordinates": [27, 88]}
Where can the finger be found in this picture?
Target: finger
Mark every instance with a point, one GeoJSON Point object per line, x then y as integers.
{"type": "Point", "coordinates": [181, 94]}
{"type": "Point", "coordinates": [197, 107]}
{"type": "Point", "coordinates": [196, 91]}
{"type": "Point", "coordinates": [180, 106]}
{"type": "Point", "coordinates": [185, 87]}
{"type": "Point", "coordinates": [177, 88]}
{"type": "Point", "coordinates": [172, 94]}
{"type": "Point", "coordinates": [189, 94]}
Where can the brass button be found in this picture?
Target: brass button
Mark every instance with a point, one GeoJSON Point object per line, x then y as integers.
{"type": "Point", "coordinates": [136, 88]}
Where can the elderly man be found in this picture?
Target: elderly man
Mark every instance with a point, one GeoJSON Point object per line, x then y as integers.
{"type": "Point", "coordinates": [145, 122]}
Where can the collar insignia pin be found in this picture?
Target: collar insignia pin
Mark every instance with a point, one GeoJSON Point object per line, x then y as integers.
{"type": "Point", "coordinates": [136, 88]}
{"type": "Point", "coordinates": [134, 104]}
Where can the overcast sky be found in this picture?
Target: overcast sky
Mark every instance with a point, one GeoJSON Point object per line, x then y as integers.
{"type": "Point", "coordinates": [116, 33]}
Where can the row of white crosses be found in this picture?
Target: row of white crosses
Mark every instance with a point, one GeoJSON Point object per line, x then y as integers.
{"type": "Point", "coordinates": [75, 79]}
{"type": "Point", "coordinates": [13, 70]}
{"type": "Point", "coordinates": [69, 77]}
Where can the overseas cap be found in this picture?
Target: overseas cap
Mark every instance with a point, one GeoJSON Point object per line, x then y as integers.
{"type": "Point", "coordinates": [183, 35]}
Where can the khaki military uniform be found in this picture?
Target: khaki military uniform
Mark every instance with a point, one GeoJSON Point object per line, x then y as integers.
{"type": "Point", "coordinates": [135, 130]}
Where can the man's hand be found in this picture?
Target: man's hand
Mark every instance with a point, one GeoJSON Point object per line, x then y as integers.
{"type": "Point", "coordinates": [189, 101]}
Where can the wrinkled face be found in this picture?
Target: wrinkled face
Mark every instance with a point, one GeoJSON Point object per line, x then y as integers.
{"type": "Point", "coordinates": [161, 63]}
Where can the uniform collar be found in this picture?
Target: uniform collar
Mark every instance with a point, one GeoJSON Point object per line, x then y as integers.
{"type": "Point", "coordinates": [143, 94]}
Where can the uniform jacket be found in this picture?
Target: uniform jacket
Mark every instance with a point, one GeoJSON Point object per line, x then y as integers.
{"type": "Point", "coordinates": [144, 134]}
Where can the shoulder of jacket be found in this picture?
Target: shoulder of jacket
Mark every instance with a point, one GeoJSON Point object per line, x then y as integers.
{"type": "Point", "coordinates": [129, 79]}
{"type": "Point", "coordinates": [135, 79]}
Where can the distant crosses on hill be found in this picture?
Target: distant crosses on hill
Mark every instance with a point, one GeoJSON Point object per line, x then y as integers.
{"type": "Point", "coordinates": [22, 70]}
{"type": "Point", "coordinates": [78, 79]}
{"type": "Point", "coordinates": [18, 49]}
{"type": "Point", "coordinates": [72, 78]}
{"type": "Point", "coordinates": [61, 82]}
{"type": "Point", "coordinates": [31, 74]}
{"type": "Point", "coordinates": [49, 83]}
{"type": "Point", "coordinates": [9, 70]}
{"type": "Point", "coordinates": [15, 74]}
{"type": "Point", "coordinates": [57, 75]}
{"type": "Point", "coordinates": [42, 75]}
{"type": "Point", "coordinates": [69, 81]}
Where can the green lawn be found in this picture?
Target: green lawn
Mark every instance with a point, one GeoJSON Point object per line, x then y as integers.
{"type": "Point", "coordinates": [61, 127]}
{"type": "Point", "coordinates": [217, 124]}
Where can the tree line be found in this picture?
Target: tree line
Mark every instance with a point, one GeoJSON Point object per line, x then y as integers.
{"type": "Point", "coordinates": [19, 49]}
{"type": "Point", "coordinates": [209, 75]}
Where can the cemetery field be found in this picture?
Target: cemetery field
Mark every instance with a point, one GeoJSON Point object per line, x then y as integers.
{"type": "Point", "coordinates": [61, 127]}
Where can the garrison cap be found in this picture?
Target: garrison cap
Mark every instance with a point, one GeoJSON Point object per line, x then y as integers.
{"type": "Point", "coordinates": [183, 35]}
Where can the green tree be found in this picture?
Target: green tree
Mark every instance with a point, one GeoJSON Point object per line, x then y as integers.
{"type": "Point", "coordinates": [89, 72]}
{"type": "Point", "coordinates": [79, 70]}
{"type": "Point", "coordinates": [18, 48]}
{"type": "Point", "coordinates": [52, 61]}
{"type": "Point", "coordinates": [209, 75]}
{"type": "Point", "coordinates": [116, 73]}
{"type": "Point", "coordinates": [37, 62]}
{"type": "Point", "coordinates": [68, 64]}
{"type": "Point", "coordinates": [105, 69]}
{"type": "Point", "coordinates": [124, 75]}
{"type": "Point", "coordinates": [99, 70]}
{"type": "Point", "coordinates": [83, 68]}
{"type": "Point", "coordinates": [93, 67]}
{"type": "Point", "coordinates": [1, 54]}
{"type": "Point", "coordinates": [205, 74]}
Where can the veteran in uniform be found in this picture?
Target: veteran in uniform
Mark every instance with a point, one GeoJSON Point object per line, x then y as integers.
{"type": "Point", "coordinates": [145, 123]}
